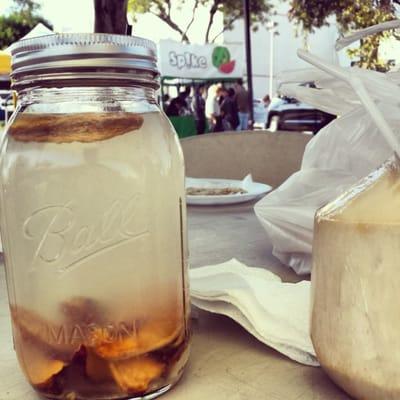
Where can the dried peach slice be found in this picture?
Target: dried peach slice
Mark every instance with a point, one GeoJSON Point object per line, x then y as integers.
{"type": "Point", "coordinates": [149, 337]}
{"type": "Point", "coordinates": [136, 374]}
{"type": "Point", "coordinates": [41, 369]}
{"type": "Point", "coordinates": [49, 337]}
{"type": "Point", "coordinates": [68, 128]}
{"type": "Point", "coordinates": [158, 333]}
{"type": "Point", "coordinates": [97, 369]}
{"type": "Point", "coordinates": [108, 347]}
{"type": "Point", "coordinates": [37, 365]}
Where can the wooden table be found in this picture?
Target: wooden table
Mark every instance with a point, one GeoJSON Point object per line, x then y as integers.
{"type": "Point", "coordinates": [226, 362]}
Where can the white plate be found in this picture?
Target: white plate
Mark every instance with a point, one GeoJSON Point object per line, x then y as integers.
{"type": "Point", "coordinates": [254, 190]}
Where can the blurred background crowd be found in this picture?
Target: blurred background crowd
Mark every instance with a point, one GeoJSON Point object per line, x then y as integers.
{"type": "Point", "coordinates": [215, 108]}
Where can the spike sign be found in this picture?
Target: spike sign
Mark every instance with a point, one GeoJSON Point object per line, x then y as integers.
{"type": "Point", "coordinates": [189, 61]}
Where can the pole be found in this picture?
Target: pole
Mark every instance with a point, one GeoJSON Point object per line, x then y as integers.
{"type": "Point", "coordinates": [271, 61]}
{"type": "Point", "coordinates": [246, 13]}
{"type": "Point", "coordinates": [162, 94]}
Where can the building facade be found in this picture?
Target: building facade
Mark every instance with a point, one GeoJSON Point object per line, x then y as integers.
{"type": "Point", "coordinates": [279, 48]}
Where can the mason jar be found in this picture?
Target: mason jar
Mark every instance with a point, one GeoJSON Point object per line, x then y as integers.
{"type": "Point", "coordinates": [93, 220]}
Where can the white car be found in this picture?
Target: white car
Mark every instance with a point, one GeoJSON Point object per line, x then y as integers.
{"type": "Point", "coordinates": [287, 114]}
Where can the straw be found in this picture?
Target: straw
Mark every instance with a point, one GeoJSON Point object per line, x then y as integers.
{"type": "Point", "coordinates": [371, 30]}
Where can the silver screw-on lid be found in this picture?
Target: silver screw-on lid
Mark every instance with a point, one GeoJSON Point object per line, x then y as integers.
{"type": "Point", "coordinates": [74, 52]}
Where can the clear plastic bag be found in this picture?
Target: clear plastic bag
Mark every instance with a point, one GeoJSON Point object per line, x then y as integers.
{"type": "Point", "coordinates": [347, 149]}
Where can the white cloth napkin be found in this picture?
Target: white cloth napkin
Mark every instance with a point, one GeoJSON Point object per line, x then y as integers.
{"type": "Point", "coordinates": [276, 313]}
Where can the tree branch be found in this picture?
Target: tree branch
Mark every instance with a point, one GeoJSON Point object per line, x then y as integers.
{"type": "Point", "coordinates": [167, 19]}
{"type": "Point", "coordinates": [227, 25]}
{"type": "Point", "coordinates": [168, 8]}
{"type": "Point", "coordinates": [160, 5]}
{"type": "Point", "coordinates": [216, 36]}
{"type": "Point", "coordinates": [213, 10]}
{"type": "Point", "coordinates": [196, 4]}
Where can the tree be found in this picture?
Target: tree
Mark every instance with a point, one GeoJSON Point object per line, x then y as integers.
{"type": "Point", "coordinates": [350, 15]}
{"type": "Point", "coordinates": [232, 11]}
{"type": "Point", "coordinates": [23, 18]}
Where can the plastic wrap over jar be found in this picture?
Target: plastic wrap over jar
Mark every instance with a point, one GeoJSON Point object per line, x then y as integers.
{"type": "Point", "coordinates": [346, 150]}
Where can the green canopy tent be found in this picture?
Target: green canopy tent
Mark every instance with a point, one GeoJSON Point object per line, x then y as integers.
{"type": "Point", "coordinates": [190, 65]}
{"type": "Point", "coordinates": [7, 97]}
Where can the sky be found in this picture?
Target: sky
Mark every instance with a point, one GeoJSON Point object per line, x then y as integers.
{"type": "Point", "coordinates": [78, 16]}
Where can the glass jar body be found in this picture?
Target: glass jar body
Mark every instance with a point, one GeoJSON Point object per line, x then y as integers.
{"type": "Point", "coordinates": [94, 235]}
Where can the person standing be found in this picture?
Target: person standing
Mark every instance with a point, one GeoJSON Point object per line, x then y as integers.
{"type": "Point", "coordinates": [199, 108]}
{"type": "Point", "coordinates": [213, 109]}
{"type": "Point", "coordinates": [229, 112]}
{"type": "Point", "coordinates": [242, 102]}
{"type": "Point", "coordinates": [266, 101]}
{"type": "Point", "coordinates": [185, 103]}
{"type": "Point", "coordinates": [175, 107]}
{"type": "Point", "coordinates": [166, 99]}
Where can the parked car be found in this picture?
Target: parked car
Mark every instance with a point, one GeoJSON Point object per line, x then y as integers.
{"type": "Point", "coordinates": [288, 114]}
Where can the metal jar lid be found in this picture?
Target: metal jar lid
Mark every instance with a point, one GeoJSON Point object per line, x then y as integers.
{"type": "Point", "coordinates": [73, 55]}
